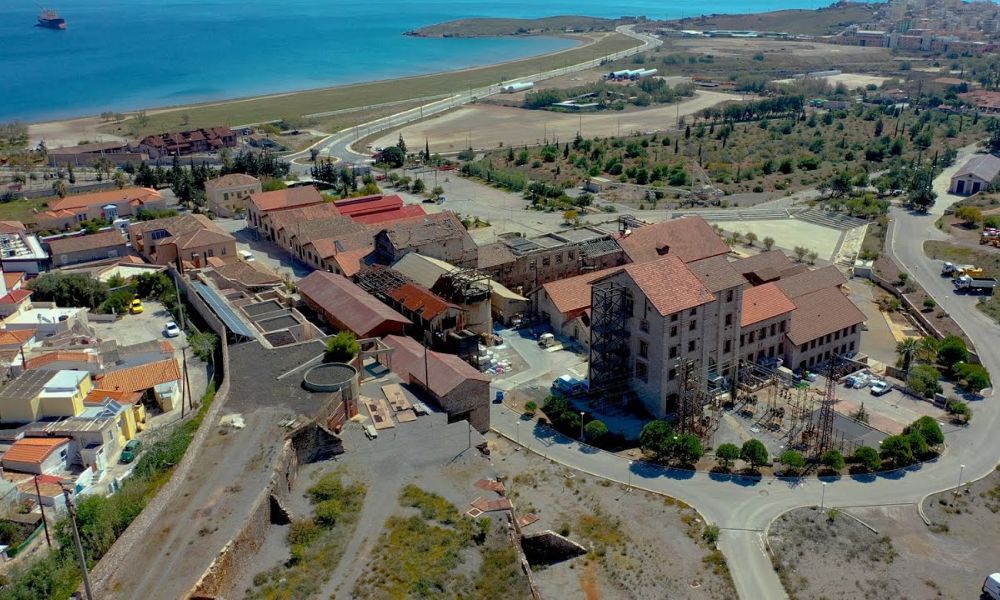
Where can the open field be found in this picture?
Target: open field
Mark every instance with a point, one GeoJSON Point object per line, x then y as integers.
{"type": "Point", "coordinates": [810, 22]}
{"type": "Point", "coordinates": [853, 81]}
{"type": "Point", "coordinates": [643, 545]}
{"type": "Point", "coordinates": [294, 105]}
{"type": "Point", "coordinates": [489, 126]}
{"type": "Point", "coordinates": [830, 555]}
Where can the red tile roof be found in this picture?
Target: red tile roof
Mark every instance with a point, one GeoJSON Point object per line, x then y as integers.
{"type": "Point", "coordinates": [820, 313]}
{"type": "Point", "coordinates": [391, 216]}
{"type": "Point", "coordinates": [811, 281]}
{"type": "Point", "coordinates": [58, 356]}
{"type": "Point", "coordinates": [446, 371]}
{"type": "Point", "coordinates": [368, 204]}
{"type": "Point", "coordinates": [11, 337]}
{"type": "Point", "coordinates": [78, 243]}
{"type": "Point", "coordinates": [669, 285]}
{"type": "Point", "coordinates": [353, 307]}
{"type": "Point", "coordinates": [12, 280]}
{"type": "Point", "coordinates": [419, 300]}
{"type": "Point", "coordinates": [140, 378]}
{"type": "Point", "coordinates": [775, 260]}
{"type": "Point", "coordinates": [690, 238]}
{"type": "Point", "coordinates": [97, 396]}
{"type": "Point", "coordinates": [34, 450]}
{"type": "Point", "coordinates": [11, 226]}
{"type": "Point", "coordinates": [573, 293]}
{"type": "Point", "coordinates": [231, 180]}
{"type": "Point", "coordinates": [103, 198]}
{"type": "Point", "coordinates": [762, 303]}
{"type": "Point", "coordinates": [15, 297]}
{"type": "Point", "coordinates": [287, 198]}
{"type": "Point", "coordinates": [716, 273]}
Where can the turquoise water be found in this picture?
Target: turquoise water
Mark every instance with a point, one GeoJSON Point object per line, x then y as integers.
{"type": "Point", "coordinates": [118, 55]}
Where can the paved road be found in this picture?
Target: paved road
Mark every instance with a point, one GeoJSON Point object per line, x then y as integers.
{"type": "Point", "coordinates": [339, 144]}
{"type": "Point", "coordinates": [743, 509]}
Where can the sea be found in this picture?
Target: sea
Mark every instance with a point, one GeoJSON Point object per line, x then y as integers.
{"type": "Point", "coordinates": [121, 55]}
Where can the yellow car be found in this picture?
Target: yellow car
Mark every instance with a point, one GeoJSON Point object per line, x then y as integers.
{"type": "Point", "coordinates": [136, 307]}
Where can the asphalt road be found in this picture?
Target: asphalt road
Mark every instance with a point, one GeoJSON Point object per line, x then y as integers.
{"type": "Point", "coordinates": [743, 508]}
{"type": "Point", "coordinates": [339, 144]}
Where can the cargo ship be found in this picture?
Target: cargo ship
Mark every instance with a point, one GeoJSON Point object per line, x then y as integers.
{"type": "Point", "coordinates": [49, 19]}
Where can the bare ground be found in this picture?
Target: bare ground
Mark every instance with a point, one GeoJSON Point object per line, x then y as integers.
{"type": "Point", "coordinates": [841, 558]}
{"type": "Point", "coordinates": [642, 545]}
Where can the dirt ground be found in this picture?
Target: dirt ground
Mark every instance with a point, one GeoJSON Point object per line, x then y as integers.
{"type": "Point", "coordinates": [643, 545]}
{"type": "Point", "coordinates": [486, 126]}
{"type": "Point", "coordinates": [903, 558]}
{"type": "Point", "coordinates": [853, 81]}
{"type": "Point", "coordinates": [738, 46]}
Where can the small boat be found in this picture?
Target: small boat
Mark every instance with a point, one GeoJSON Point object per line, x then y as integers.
{"type": "Point", "coordinates": [50, 19]}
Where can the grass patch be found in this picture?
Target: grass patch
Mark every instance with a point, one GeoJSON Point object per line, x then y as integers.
{"type": "Point", "coordinates": [102, 520]}
{"type": "Point", "coordinates": [316, 544]}
{"type": "Point", "coordinates": [24, 209]}
{"type": "Point", "coordinates": [422, 556]}
{"type": "Point", "coordinates": [294, 105]}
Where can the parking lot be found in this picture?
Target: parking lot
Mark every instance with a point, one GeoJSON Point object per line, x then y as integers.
{"type": "Point", "coordinates": [890, 412]}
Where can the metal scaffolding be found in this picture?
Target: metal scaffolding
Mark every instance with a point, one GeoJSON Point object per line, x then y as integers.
{"type": "Point", "coordinates": [609, 348]}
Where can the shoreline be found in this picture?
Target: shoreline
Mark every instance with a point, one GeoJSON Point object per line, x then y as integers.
{"type": "Point", "coordinates": [90, 125]}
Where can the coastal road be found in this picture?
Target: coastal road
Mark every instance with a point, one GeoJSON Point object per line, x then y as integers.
{"type": "Point", "coordinates": [744, 508]}
{"type": "Point", "coordinates": [339, 144]}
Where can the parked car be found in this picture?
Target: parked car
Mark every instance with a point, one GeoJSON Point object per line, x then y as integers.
{"type": "Point", "coordinates": [546, 340]}
{"type": "Point", "coordinates": [130, 451]}
{"type": "Point", "coordinates": [246, 255]}
{"type": "Point", "coordinates": [171, 330]}
{"type": "Point", "coordinates": [570, 385]}
{"type": "Point", "coordinates": [991, 587]}
{"type": "Point", "coordinates": [136, 307]}
{"type": "Point", "coordinates": [880, 387]}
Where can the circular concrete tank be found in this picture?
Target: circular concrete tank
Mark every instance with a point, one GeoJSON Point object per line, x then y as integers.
{"type": "Point", "coordinates": [332, 377]}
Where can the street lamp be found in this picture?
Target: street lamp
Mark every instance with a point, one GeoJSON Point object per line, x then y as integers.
{"type": "Point", "coordinates": [517, 430]}
{"type": "Point", "coordinates": [581, 424]}
{"type": "Point", "coordinates": [822, 498]}
{"type": "Point", "coordinates": [629, 488]}
{"type": "Point", "coordinates": [961, 470]}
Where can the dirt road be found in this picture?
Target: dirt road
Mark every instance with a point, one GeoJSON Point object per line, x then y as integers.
{"type": "Point", "coordinates": [486, 127]}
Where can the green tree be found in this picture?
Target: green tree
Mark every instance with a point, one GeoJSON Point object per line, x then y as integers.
{"type": "Point", "coordinates": [768, 243]}
{"type": "Point", "coordinates": [905, 349]}
{"type": "Point", "coordinates": [793, 461]}
{"type": "Point", "coordinates": [868, 458]}
{"type": "Point", "coordinates": [530, 408]}
{"type": "Point", "coordinates": [686, 449]}
{"type": "Point", "coordinates": [970, 215]}
{"type": "Point", "coordinates": [754, 452]}
{"type": "Point", "coordinates": [656, 439]}
{"type": "Point", "coordinates": [751, 237]}
{"type": "Point", "coordinates": [392, 156]}
{"type": "Point", "coordinates": [951, 351]}
{"type": "Point", "coordinates": [120, 179]}
{"type": "Point", "coordinates": [342, 347]}
{"type": "Point", "coordinates": [923, 379]}
{"type": "Point", "coordinates": [833, 459]}
{"type": "Point", "coordinates": [418, 186]}
{"type": "Point", "coordinates": [68, 290]}
{"type": "Point", "coordinates": [203, 345]}
{"type": "Point", "coordinates": [401, 144]}
{"type": "Point", "coordinates": [959, 410]}
{"type": "Point", "coordinates": [800, 253]}
{"type": "Point", "coordinates": [59, 188]}
{"type": "Point", "coordinates": [595, 431]}
{"type": "Point", "coordinates": [896, 450]}
{"type": "Point", "coordinates": [976, 377]}
{"type": "Point", "coordinates": [928, 428]}
{"type": "Point", "coordinates": [725, 454]}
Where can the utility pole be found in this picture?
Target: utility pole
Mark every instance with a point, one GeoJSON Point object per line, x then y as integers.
{"type": "Point", "coordinates": [187, 381]}
{"type": "Point", "coordinates": [180, 305]}
{"type": "Point", "coordinates": [45, 524]}
{"type": "Point", "coordinates": [79, 545]}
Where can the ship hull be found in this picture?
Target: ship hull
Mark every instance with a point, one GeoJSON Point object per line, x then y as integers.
{"type": "Point", "coordinates": [51, 23]}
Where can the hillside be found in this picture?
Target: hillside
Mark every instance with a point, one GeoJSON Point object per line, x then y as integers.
{"type": "Point", "coordinates": [822, 21]}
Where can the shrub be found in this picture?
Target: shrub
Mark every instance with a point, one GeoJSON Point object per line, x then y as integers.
{"type": "Point", "coordinates": [342, 347]}
{"type": "Point", "coordinates": [725, 454]}
{"type": "Point", "coordinates": [754, 452]}
{"type": "Point", "coordinates": [595, 430]}
{"type": "Point", "coordinates": [928, 429]}
{"type": "Point", "coordinates": [793, 461]}
{"type": "Point", "coordinates": [959, 410]}
{"type": "Point", "coordinates": [530, 407]}
{"type": "Point", "coordinates": [952, 351]}
{"type": "Point", "coordinates": [868, 458]}
{"type": "Point", "coordinates": [976, 377]}
{"type": "Point", "coordinates": [896, 450]}
{"type": "Point", "coordinates": [710, 534]}
{"type": "Point", "coordinates": [833, 459]}
{"type": "Point", "coordinates": [923, 379]}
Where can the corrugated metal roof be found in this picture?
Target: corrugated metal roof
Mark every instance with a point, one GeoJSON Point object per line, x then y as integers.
{"type": "Point", "coordinates": [224, 311]}
{"type": "Point", "coordinates": [446, 371]}
{"type": "Point", "coordinates": [359, 311]}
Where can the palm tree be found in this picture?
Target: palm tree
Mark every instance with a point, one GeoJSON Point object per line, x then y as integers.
{"type": "Point", "coordinates": [905, 349]}
{"type": "Point", "coordinates": [59, 187]}
{"type": "Point", "coordinates": [927, 350]}
{"type": "Point", "coordinates": [120, 179]}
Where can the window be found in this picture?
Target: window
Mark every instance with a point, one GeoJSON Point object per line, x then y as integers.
{"type": "Point", "coordinates": [763, 332]}
{"type": "Point", "coordinates": [570, 254]}
{"type": "Point", "coordinates": [691, 346]}
{"type": "Point", "coordinates": [545, 261]}
{"type": "Point", "coordinates": [644, 325]}
{"type": "Point", "coordinates": [223, 250]}
{"type": "Point", "coordinates": [673, 318]}
{"type": "Point", "coordinates": [728, 347]}
{"type": "Point", "coordinates": [774, 328]}
{"type": "Point", "coordinates": [854, 328]}
{"type": "Point", "coordinates": [225, 196]}
{"type": "Point", "coordinates": [743, 340]}
{"type": "Point", "coordinates": [693, 325]}
{"type": "Point", "coordinates": [672, 374]}
{"type": "Point", "coordinates": [729, 296]}
{"type": "Point", "coordinates": [559, 258]}
{"type": "Point", "coordinates": [781, 348]}
{"type": "Point", "coordinates": [836, 336]}
{"type": "Point", "coordinates": [782, 328]}
{"type": "Point", "coordinates": [641, 371]}
{"type": "Point", "coordinates": [643, 348]}
{"type": "Point", "coordinates": [852, 346]}
{"type": "Point", "coordinates": [729, 320]}
{"type": "Point", "coordinates": [673, 331]}
{"type": "Point", "coordinates": [751, 337]}
{"type": "Point", "coordinates": [694, 311]}
{"type": "Point", "coordinates": [209, 252]}
{"type": "Point", "coordinates": [673, 351]}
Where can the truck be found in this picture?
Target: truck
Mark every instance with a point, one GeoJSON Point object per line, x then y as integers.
{"type": "Point", "coordinates": [975, 285]}
{"type": "Point", "coordinates": [952, 270]}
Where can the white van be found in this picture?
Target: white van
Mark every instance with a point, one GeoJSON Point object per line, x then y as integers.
{"type": "Point", "coordinates": [991, 587]}
{"type": "Point", "coordinates": [245, 255]}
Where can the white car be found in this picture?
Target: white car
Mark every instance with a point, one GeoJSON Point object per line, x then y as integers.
{"type": "Point", "coordinates": [171, 330]}
{"type": "Point", "coordinates": [880, 387]}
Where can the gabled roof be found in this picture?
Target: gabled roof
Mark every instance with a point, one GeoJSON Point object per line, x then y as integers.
{"type": "Point", "coordinates": [982, 166]}
{"type": "Point", "coordinates": [820, 313]}
{"type": "Point", "coordinates": [140, 378]}
{"type": "Point", "coordinates": [102, 198]}
{"type": "Point", "coordinates": [104, 239]}
{"type": "Point", "coordinates": [34, 450]}
{"type": "Point", "coordinates": [364, 205]}
{"type": "Point", "coordinates": [97, 396]}
{"type": "Point", "coordinates": [690, 238]}
{"type": "Point", "coordinates": [573, 293]}
{"type": "Point", "coordinates": [762, 303]}
{"type": "Point", "coordinates": [409, 211]}
{"type": "Point", "coordinates": [287, 198]}
{"type": "Point", "coordinates": [445, 371]}
{"type": "Point", "coordinates": [495, 254]}
{"type": "Point", "coordinates": [775, 260]}
{"type": "Point", "coordinates": [716, 273]}
{"type": "Point", "coordinates": [420, 300]}
{"type": "Point", "coordinates": [668, 284]}
{"type": "Point", "coordinates": [231, 180]}
{"type": "Point", "coordinates": [811, 281]}
{"type": "Point", "coordinates": [15, 296]}
{"type": "Point", "coordinates": [186, 231]}
{"type": "Point", "coordinates": [283, 219]}
{"type": "Point", "coordinates": [417, 231]}
{"type": "Point", "coordinates": [248, 273]}
{"type": "Point", "coordinates": [11, 337]}
{"type": "Point", "coordinates": [359, 311]}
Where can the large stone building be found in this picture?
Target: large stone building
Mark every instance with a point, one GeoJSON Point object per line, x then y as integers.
{"type": "Point", "coordinates": [227, 195]}
{"type": "Point", "coordinates": [190, 239]}
{"type": "Point", "coordinates": [69, 212]}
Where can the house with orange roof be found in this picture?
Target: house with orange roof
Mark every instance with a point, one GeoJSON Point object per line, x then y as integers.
{"type": "Point", "coordinates": [227, 195]}
{"type": "Point", "coordinates": [159, 381]}
{"type": "Point", "coordinates": [190, 239]}
{"type": "Point", "coordinates": [260, 206]}
{"type": "Point", "coordinates": [98, 433]}
{"type": "Point", "coordinates": [67, 213]}
{"type": "Point", "coordinates": [59, 360]}
{"type": "Point", "coordinates": [764, 322]}
{"type": "Point", "coordinates": [16, 339]}
{"type": "Point", "coordinates": [38, 455]}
